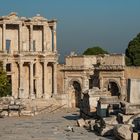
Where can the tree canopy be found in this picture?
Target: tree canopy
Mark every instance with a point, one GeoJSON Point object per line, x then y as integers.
{"type": "Point", "coordinates": [133, 52]}
{"type": "Point", "coordinates": [5, 86]}
{"type": "Point", "coordinates": [94, 51]}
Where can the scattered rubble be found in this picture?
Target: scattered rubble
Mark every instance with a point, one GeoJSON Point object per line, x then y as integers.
{"type": "Point", "coordinates": [123, 131]}
{"type": "Point", "coordinates": [9, 106]}
{"type": "Point", "coordinates": [112, 116]}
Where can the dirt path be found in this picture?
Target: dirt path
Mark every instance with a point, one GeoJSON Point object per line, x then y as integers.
{"type": "Point", "coordinates": [47, 126]}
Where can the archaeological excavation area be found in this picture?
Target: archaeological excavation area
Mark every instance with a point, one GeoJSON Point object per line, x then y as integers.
{"type": "Point", "coordinates": [87, 97]}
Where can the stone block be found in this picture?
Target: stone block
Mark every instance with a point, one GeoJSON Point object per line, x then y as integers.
{"type": "Point", "coordinates": [123, 131]}
{"type": "Point", "coordinates": [123, 118]}
{"type": "Point", "coordinates": [109, 121]}
{"type": "Point", "coordinates": [130, 108]}
{"type": "Point", "coordinates": [5, 107]}
{"type": "Point", "coordinates": [13, 114]}
{"type": "Point", "coordinates": [14, 107]}
{"type": "Point", "coordinates": [134, 136]}
{"type": "Point", "coordinates": [131, 111]}
{"type": "Point", "coordinates": [26, 113]}
{"type": "Point", "coordinates": [81, 122]}
{"type": "Point", "coordinates": [4, 113]}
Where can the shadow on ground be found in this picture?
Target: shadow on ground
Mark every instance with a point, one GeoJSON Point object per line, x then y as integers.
{"type": "Point", "coordinates": [72, 117]}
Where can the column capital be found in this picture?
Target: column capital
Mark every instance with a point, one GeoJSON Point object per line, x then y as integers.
{"type": "Point", "coordinates": [54, 28]}
{"type": "Point", "coordinates": [4, 25]}
{"type": "Point", "coordinates": [31, 26]}
{"type": "Point", "coordinates": [31, 63]}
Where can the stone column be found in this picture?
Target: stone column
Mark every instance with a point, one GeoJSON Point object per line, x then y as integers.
{"type": "Point", "coordinates": [21, 90]}
{"type": "Point", "coordinates": [20, 37]}
{"type": "Point", "coordinates": [123, 95]}
{"type": "Point", "coordinates": [101, 83]}
{"type": "Point", "coordinates": [3, 38]}
{"type": "Point", "coordinates": [54, 39]}
{"type": "Point", "coordinates": [44, 38]}
{"type": "Point", "coordinates": [31, 38]}
{"type": "Point", "coordinates": [45, 71]}
{"type": "Point", "coordinates": [54, 78]}
{"type": "Point", "coordinates": [65, 84]}
{"type": "Point", "coordinates": [32, 96]}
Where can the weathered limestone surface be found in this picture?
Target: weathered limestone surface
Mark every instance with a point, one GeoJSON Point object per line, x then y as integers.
{"type": "Point", "coordinates": [130, 108]}
{"type": "Point", "coordinates": [133, 91]}
{"type": "Point", "coordinates": [81, 122]}
{"type": "Point", "coordinates": [123, 118]}
{"type": "Point", "coordinates": [123, 132]}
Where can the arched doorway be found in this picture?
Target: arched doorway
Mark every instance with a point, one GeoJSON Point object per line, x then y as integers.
{"type": "Point", "coordinates": [75, 93]}
{"type": "Point", "coordinates": [113, 88]}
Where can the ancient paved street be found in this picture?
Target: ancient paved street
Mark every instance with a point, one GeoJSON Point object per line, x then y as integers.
{"type": "Point", "coordinates": [47, 126]}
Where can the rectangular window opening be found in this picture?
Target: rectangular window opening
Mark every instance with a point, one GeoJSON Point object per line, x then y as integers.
{"type": "Point", "coordinates": [8, 45]}
{"type": "Point", "coordinates": [8, 67]}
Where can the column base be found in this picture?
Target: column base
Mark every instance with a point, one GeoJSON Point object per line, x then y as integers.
{"type": "Point", "coordinates": [53, 94]}
{"type": "Point", "coordinates": [32, 96]}
{"type": "Point", "coordinates": [46, 96]}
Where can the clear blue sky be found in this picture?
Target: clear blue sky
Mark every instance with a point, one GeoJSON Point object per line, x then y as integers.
{"type": "Point", "coordinates": [110, 24]}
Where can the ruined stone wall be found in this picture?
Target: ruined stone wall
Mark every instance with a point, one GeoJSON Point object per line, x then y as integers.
{"type": "Point", "coordinates": [74, 61]}
{"type": "Point", "coordinates": [113, 59]}
{"type": "Point", "coordinates": [81, 61]}
{"type": "Point", "coordinates": [89, 61]}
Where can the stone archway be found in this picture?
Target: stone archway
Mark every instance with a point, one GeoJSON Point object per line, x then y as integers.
{"type": "Point", "coordinates": [113, 87]}
{"type": "Point", "coordinates": [75, 93]}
